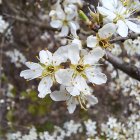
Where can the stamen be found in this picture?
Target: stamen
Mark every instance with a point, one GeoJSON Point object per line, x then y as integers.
{"type": "Point", "coordinates": [80, 68]}
{"type": "Point", "coordinates": [79, 99]}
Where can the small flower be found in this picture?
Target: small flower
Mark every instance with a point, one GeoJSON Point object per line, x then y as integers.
{"type": "Point", "coordinates": [65, 20]}
{"type": "Point", "coordinates": [16, 57]}
{"type": "Point", "coordinates": [114, 11]}
{"type": "Point", "coordinates": [90, 128]}
{"type": "Point", "coordinates": [73, 101]}
{"type": "Point", "coordinates": [102, 37]}
{"type": "Point", "coordinates": [116, 50]}
{"type": "Point", "coordinates": [46, 69]}
{"type": "Point", "coordinates": [132, 47]}
{"type": "Point", "coordinates": [112, 122]}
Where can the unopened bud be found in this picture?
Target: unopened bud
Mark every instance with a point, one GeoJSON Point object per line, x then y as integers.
{"type": "Point", "coordinates": [84, 17]}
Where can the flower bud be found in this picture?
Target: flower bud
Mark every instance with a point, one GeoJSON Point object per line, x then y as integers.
{"type": "Point", "coordinates": [84, 17]}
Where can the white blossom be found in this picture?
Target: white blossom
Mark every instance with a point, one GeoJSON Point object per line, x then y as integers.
{"type": "Point", "coordinates": [84, 66]}
{"type": "Point", "coordinates": [46, 69]}
{"type": "Point", "coordinates": [102, 38]}
{"type": "Point", "coordinates": [90, 128]}
{"type": "Point", "coordinates": [73, 101]}
{"type": "Point", "coordinates": [116, 50]}
{"type": "Point", "coordinates": [65, 19]}
{"type": "Point", "coordinates": [114, 11]}
{"type": "Point", "coordinates": [16, 57]}
{"type": "Point", "coordinates": [132, 47]}
{"type": "Point", "coordinates": [72, 127]}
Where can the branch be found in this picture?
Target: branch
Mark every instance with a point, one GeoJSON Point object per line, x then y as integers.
{"type": "Point", "coordinates": [10, 6]}
{"type": "Point", "coordinates": [127, 68]}
{"type": "Point", "coordinates": [130, 36]}
{"type": "Point", "coordinates": [30, 21]}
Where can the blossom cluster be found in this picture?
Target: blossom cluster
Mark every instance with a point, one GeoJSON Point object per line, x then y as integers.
{"type": "Point", "coordinates": [110, 130]}
{"type": "Point", "coordinates": [75, 65]}
{"type": "Point", "coordinates": [16, 57]}
{"type": "Point", "coordinates": [81, 68]}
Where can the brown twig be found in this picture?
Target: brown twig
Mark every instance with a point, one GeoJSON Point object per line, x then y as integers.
{"type": "Point", "coordinates": [130, 36]}
{"type": "Point", "coordinates": [30, 21]}
{"type": "Point", "coordinates": [127, 68]}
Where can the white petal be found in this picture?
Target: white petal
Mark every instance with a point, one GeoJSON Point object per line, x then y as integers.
{"type": "Point", "coordinates": [56, 23]}
{"type": "Point", "coordinates": [31, 74]}
{"type": "Point", "coordinates": [45, 57]}
{"type": "Point", "coordinates": [133, 26]}
{"type": "Point", "coordinates": [52, 13]}
{"type": "Point", "coordinates": [77, 42]}
{"type": "Point", "coordinates": [83, 52]}
{"type": "Point", "coordinates": [60, 55]}
{"type": "Point", "coordinates": [60, 13]}
{"type": "Point", "coordinates": [110, 15]}
{"type": "Point", "coordinates": [93, 56]}
{"type": "Point", "coordinates": [73, 90]}
{"type": "Point", "coordinates": [92, 41]}
{"type": "Point", "coordinates": [60, 95]}
{"type": "Point", "coordinates": [95, 76]}
{"type": "Point", "coordinates": [73, 28]}
{"type": "Point", "coordinates": [122, 28]}
{"type": "Point", "coordinates": [71, 13]}
{"type": "Point", "coordinates": [71, 105]}
{"type": "Point", "coordinates": [64, 31]}
{"type": "Point", "coordinates": [110, 4]}
{"type": "Point", "coordinates": [33, 65]}
{"type": "Point", "coordinates": [64, 76]}
{"type": "Point", "coordinates": [76, 24]}
{"type": "Point", "coordinates": [121, 10]}
{"type": "Point", "coordinates": [107, 30]}
{"type": "Point", "coordinates": [92, 100]}
{"type": "Point", "coordinates": [73, 53]}
{"type": "Point", "coordinates": [44, 86]}
{"type": "Point", "coordinates": [80, 83]}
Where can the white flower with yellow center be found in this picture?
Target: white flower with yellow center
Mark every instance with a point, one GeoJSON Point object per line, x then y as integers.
{"type": "Point", "coordinates": [83, 66]}
{"type": "Point", "coordinates": [115, 11]}
{"type": "Point", "coordinates": [102, 38]}
{"type": "Point", "coordinates": [83, 98]}
{"type": "Point", "coordinates": [46, 69]}
{"type": "Point", "coordinates": [65, 20]}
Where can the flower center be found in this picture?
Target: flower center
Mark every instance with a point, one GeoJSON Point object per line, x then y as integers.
{"type": "Point", "coordinates": [65, 22]}
{"type": "Point", "coordinates": [80, 68]}
{"type": "Point", "coordinates": [126, 2]}
{"type": "Point", "coordinates": [103, 43]}
{"type": "Point", "coordinates": [119, 17]}
{"type": "Point", "coordinates": [50, 69]}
